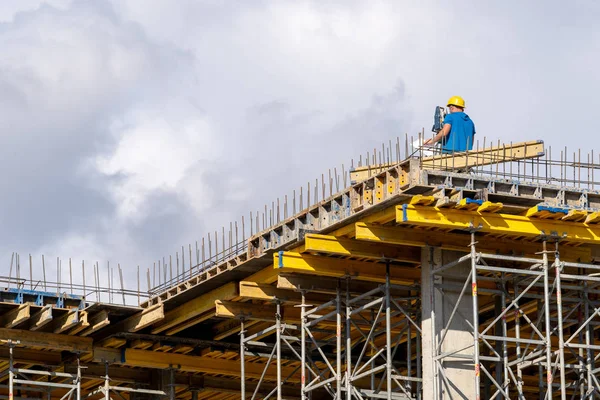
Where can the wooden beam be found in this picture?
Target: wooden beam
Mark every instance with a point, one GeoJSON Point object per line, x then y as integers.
{"type": "Point", "coordinates": [136, 322]}
{"type": "Point", "coordinates": [145, 318]}
{"type": "Point", "coordinates": [28, 356]}
{"type": "Point", "coordinates": [186, 363]}
{"type": "Point", "coordinates": [16, 316]}
{"type": "Point", "coordinates": [189, 323]}
{"type": "Point", "coordinates": [326, 244]}
{"type": "Point", "coordinates": [47, 340]}
{"type": "Point", "coordinates": [228, 327]}
{"type": "Point", "coordinates": [141, 344]}
{"type": "Point", "coordinates": [81, 324]}
{"type": "Point", "coordinates": [196, 307]}
{"type": "Point", "coordinates": [41, 318]}
{"type": "Point", "coordinates": [97, 322]}
{"type": "Point", "coordinates": [66, 321]}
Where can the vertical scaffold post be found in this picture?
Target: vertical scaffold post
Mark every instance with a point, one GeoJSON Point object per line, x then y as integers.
{"type": "Point", "coordinates": [303, 346]}
{"type": "Point", "coordinates": [242, 361]}
{"type": "Point", "coordinates": [106, 383]}
{"type": "Point", "coordinates": [348, 342]}
{"type": "Point", "coordinates": [278, 344]}
{"type": "Point", "coordinates": [11, 375]}
{"type": "Point", "coordinates": [475, 317]}
{"type": "Point", "coordinates": [338, 334]}
{"type": "Point", "coordinates": [388, 331]}
{"type": "Point", "coordinates": [172, 384]}
{"type": "Point", "coordinates": [547, 323]}
{"type": "Point", "coordinates": [561, 340]}
{"type": "Point", "coordinates": [78, 382]}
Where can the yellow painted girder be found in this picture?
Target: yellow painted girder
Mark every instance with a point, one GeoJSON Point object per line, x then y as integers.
{"type": "Point", "coordinates": [456, 241]}
{"type": "Point", "coordinates": [515, 225]}
{"type": "Point", "coordinates": [334, 267]}
{"type": "Point", "coordinates": [352, 248]}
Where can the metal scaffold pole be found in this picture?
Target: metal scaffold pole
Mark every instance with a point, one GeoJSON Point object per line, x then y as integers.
{"type": "Point", "coordinates": [242, 360]}
{"type": "Point", "coordinates": [476, 361]}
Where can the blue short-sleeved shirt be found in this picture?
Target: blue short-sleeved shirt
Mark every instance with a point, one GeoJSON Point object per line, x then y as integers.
{"type": "Point", "coordinates": [462, 132]}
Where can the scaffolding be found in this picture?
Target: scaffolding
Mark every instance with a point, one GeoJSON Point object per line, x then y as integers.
{"type": "Point", "coordinates": [352, 346]}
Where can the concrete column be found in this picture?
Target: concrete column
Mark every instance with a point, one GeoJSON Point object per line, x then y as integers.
{"type": "Point", "coordinates": [436, 311]}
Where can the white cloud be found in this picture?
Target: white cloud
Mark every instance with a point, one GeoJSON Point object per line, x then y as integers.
{"type": "Point", "coordinates": [156, 151]}
{"type": "Point", "coordinates": [162, 120]}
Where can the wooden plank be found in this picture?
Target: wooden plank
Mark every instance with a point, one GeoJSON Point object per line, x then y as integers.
{"type": "Point", "coordinates": [488, 156]}
{"type": "Point", "coordinates": [16, 316]}
{"type": "Point", "coordinates": [141, 344]}
{"type": "Point", "coordinates": [196, 307]}
{"type": "Point", "coordinates": [47, 340]}
{"type": "Point", "coordinates": [41, 318]}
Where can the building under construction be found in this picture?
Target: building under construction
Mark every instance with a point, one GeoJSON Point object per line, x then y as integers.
{"type": "Point", "coordinates": [451, 276]}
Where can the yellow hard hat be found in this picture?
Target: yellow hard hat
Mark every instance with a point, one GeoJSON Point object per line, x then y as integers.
{"type": "Point", "coordinates": [456, 101]}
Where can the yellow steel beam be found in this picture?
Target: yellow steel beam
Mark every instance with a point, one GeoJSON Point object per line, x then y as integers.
{"type": "Point", "coordinates": [515, 225]}
{"type": "Point", "coordinates": [197, 306]}
{"type": "Point", "coordinates": [314, 243]}
{"type": "Point", "coordinates": [261, 291]}
{"type": "Point", "coordinates": [255, 312]}
{"type": "Point", "coordinates": [80, 323]}
{"type": "Point", "coordinates": [16, 316]}
{"type": "Point", "coordinates": [327, 285]}
{"type": "Point", "coordinates": [456, 241]}
{"type": "Point", "coordinates": [334, 267]}
{"type": "Point", "coordinates": [47, 340]}
{"type": "Point", "coordinates": [207, 365]}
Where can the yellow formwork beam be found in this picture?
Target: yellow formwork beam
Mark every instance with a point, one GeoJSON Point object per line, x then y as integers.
{"type": "Point", "coordinates": [352, 248]}
{"type": "Point", "coordinates": [194, 308]}
{"type": "Point", "coordinates": [514, 225]}
{"type": "Point", "coordinates": [455, 241]}
{"type": "Point", "coordinates": [207, 365]}
{"type": "Point", "coordinates": [47, 340]}
{"type": "Point", "coordinates": [334, 267]}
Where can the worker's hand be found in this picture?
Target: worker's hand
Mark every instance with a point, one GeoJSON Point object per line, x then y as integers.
{"type": "Point", "coordinates": [428, 142]}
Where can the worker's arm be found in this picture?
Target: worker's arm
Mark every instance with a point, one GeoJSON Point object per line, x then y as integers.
{"type": "Point", "coordinates": [441, 134]}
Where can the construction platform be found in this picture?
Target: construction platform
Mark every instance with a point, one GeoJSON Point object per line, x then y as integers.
{"type": "Point", "coordinates": [470, 275]}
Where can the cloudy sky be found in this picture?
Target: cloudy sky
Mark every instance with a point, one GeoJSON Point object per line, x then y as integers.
{"type": "Point", "coordinates": [132, 127]}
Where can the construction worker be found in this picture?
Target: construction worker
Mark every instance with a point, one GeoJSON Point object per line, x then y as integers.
{"type": "Point", "coordinates": [458, 131]}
